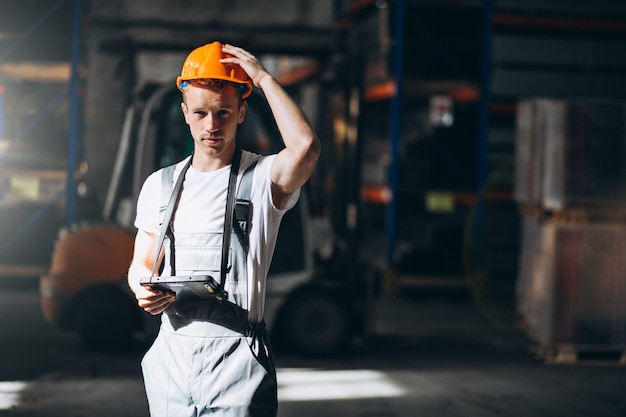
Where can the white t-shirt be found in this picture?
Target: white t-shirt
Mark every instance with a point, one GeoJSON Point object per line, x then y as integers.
{"type": "Point", "coordinates": [201, 210]}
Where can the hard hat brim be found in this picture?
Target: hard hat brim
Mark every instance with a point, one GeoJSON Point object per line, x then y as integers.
{"type": "Point", "coordinates": [245, 91]}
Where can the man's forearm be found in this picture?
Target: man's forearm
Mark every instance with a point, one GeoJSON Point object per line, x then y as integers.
{"type": "Point", "coordinates": [295, 128]}
{"type": "Point", "coordinates": [135, 273]}
{"type": "Point", "coordinates": [143, 258]}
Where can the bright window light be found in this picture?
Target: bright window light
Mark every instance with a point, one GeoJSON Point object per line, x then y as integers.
{"type": "Point", "coordinates": [318, 385]}
{"type": "Point", "coordinates": [10, 393]}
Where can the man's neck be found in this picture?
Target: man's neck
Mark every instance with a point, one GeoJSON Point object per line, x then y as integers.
{"type": "Point", "coordinates": [206, 163]}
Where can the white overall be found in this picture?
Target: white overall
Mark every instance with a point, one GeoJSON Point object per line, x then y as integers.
{"type": "Point", "coordinates": [208, 358]}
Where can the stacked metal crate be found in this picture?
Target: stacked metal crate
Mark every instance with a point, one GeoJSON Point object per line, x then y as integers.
{"type": "Point", "coordinates": [570, 185]}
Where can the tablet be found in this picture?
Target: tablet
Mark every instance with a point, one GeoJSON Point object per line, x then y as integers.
{"type": "Point", "coordinates": [187, 286]}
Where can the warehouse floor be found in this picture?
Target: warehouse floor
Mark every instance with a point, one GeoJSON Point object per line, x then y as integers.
{"type": "Point", "coordinates": [432, 352]}
{"type": "Point", "coordinates": [475, 349]}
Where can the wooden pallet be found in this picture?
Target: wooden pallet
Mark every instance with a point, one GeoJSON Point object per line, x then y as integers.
{"type": "Point", "coordinates": [585, 355]}
{"type": "Point", "coordinates": [579, 215]}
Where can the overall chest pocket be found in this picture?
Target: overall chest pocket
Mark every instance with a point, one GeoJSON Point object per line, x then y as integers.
{"type": "Point", "coordinates": [198, 252]}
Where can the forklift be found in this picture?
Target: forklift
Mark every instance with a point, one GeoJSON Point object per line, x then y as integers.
{"type": "Point", "coordinates": [313, 304]}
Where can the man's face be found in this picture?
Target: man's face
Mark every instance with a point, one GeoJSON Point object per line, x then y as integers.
{"type": "Point", "coordinates": [213, 117]}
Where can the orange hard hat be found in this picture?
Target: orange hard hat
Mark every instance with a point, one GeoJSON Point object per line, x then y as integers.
{"type": "Point", "coordinates": [204, 63]}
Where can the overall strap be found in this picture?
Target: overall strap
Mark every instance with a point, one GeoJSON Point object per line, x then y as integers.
{"type": "Point", "coordinates": [245, 185]}
{"type": "Point", "coordinates": [243, 207]}
{"type": "Point", "coordinates": [241, 230]}
{"type": "Point", "coordinates": [166, 182]}
{"type": "Point", "coordinates": [228, 216]}
{"type": "Point", "coordinates": [167, 175]}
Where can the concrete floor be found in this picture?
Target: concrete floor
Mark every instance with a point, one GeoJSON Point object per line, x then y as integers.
{"type": "Point", "coordinates": [432, 353]}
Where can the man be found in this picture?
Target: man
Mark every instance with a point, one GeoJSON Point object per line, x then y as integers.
{"type": "Point", "coordinates": [212, 357]}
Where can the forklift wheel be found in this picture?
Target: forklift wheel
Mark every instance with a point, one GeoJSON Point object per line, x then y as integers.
{"type": "Point", "coordinates": [106, 320]}
{"type": "Point", "coordinates": [317, 325]}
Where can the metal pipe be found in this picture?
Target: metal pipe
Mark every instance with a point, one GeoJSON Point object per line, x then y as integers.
{"type": "Point", "coordinates": [120, 162]}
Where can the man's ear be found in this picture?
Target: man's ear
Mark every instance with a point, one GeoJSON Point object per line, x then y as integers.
{"type": "Point", "coordinates": [183, 107]}
{"type": "Point", "coordinates": [242, 111]}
